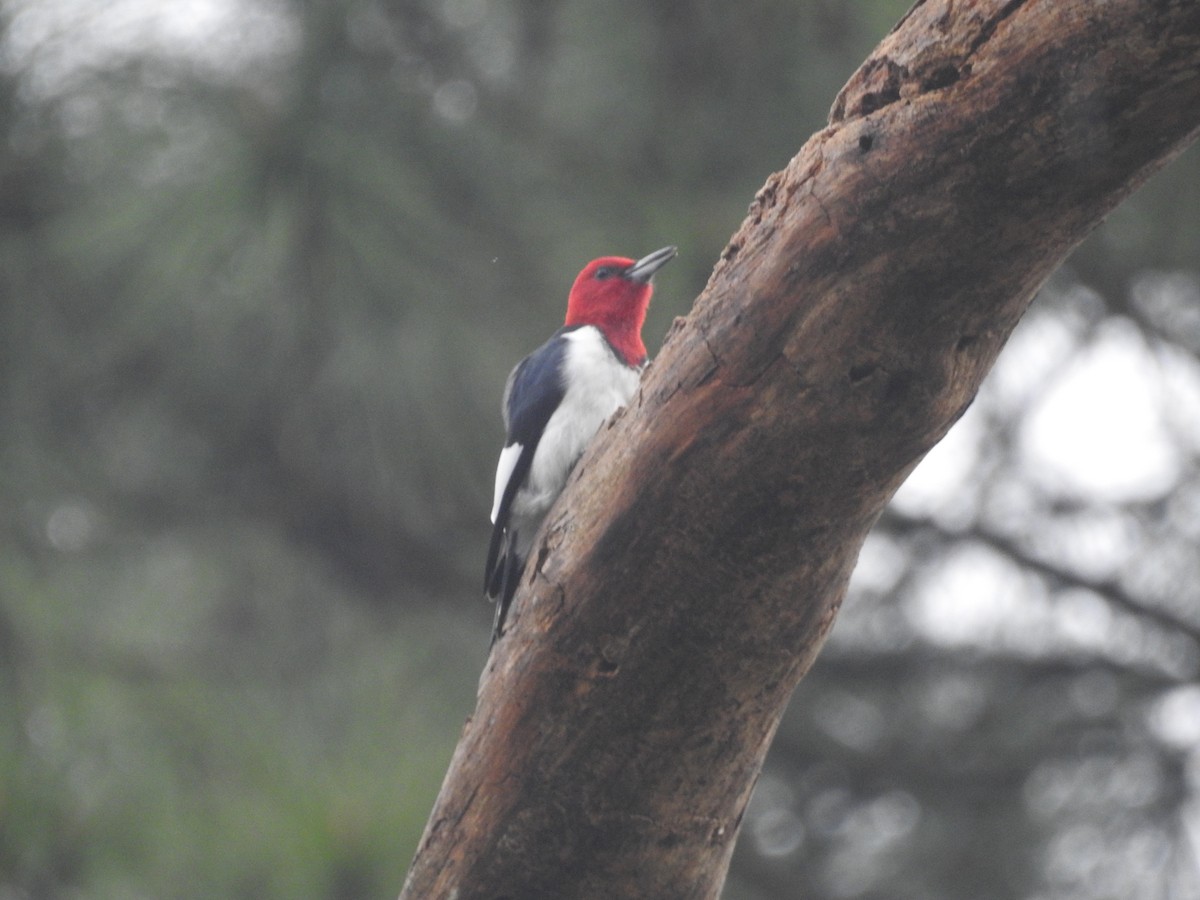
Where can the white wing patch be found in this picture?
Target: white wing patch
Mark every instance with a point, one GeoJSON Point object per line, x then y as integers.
{"type": "Point", "coordinates": [504, 469]}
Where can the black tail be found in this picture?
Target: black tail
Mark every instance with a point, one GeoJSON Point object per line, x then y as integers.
{"type": "Point", "coordinates": [492, 571]}
{"type": "Point", "coordinates": [501, 573]}
{"type": "Point", "coordinates": [503, 584]}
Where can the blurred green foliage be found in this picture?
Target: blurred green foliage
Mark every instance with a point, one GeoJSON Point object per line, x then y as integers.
{"type": "Point", "coordinates": [262, 274]}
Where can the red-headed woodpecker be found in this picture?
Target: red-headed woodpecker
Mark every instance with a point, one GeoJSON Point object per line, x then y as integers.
{"type": "Point", "coordinates": [557, 398]}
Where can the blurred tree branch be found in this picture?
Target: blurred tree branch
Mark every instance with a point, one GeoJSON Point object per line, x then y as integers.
{"type": "Point", "coordinates": [1056, 573]}
{"type": "Point", "coordinates": [688, 578]}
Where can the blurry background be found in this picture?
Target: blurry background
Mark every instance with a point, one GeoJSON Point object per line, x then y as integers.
{"type": "Point", "coordinates": [264, 266]}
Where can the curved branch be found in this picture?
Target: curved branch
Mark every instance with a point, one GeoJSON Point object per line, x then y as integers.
{"type": "Point", "coordinates": [686, 579]}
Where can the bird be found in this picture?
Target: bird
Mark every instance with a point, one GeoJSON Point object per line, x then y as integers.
{"type": "Point", "coordinates": [556, 399]}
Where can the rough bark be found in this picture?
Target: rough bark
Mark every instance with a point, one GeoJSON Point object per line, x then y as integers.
{"type": "Point", "coordinates": [688, 576]}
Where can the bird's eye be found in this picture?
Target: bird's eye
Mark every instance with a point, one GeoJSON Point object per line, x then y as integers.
{"type": "Point", "coordinates": [602, 273]}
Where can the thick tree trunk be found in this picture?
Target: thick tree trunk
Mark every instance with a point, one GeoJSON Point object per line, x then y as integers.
{"type": "Point", "coordinates": [688, 576]}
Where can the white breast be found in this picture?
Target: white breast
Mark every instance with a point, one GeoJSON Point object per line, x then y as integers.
{"type": "Point", "coordinates": [597, 385]}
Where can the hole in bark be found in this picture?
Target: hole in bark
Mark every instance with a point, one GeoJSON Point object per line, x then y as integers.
{"type": "Point", "coordinates": [606, 667]}
{"type": "Point", "coordinates": [862, 371]}
{"type": "Point", "coordinates": [866, 142]}
{"type": "Point", "coordinates": [965, 341]}
{"type": "Point", "coordinates": [873, 100]}
{"type": "Point", "coordinates": [940, 78]}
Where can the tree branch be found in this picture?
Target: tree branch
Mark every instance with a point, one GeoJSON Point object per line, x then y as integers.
{"type": "Point", "coordinates": [1056, 575]}
{"type": "Point", "coordinates": [688, 576]}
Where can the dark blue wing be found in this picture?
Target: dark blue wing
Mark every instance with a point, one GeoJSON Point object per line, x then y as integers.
{"type": "Point", "coordinates": [533, 392]}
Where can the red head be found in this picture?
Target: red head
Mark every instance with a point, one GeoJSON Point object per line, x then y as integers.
{"type": "Point", "coordinates": [613, 294]}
